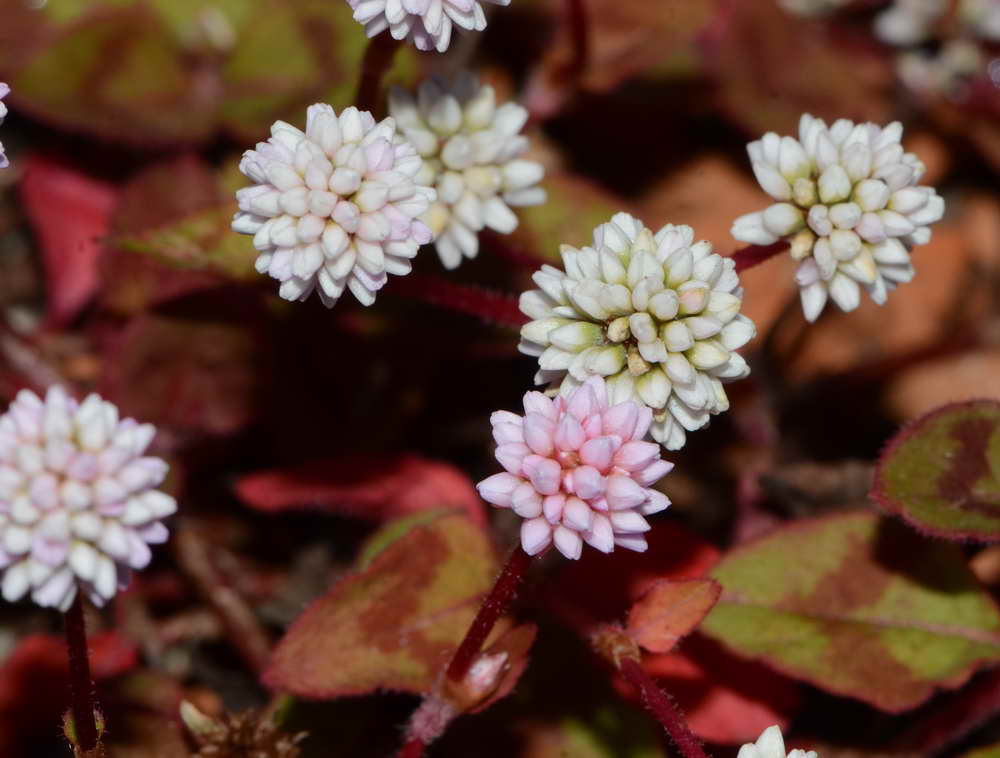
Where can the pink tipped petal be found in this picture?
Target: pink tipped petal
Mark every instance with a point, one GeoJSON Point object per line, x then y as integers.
{"type": "Point", "coordinates": [569, 434]}
{"type": "Point", "coordinates": [601, 535]}
{"type": "Point", "coordinates": [599, 392]}
{"type": "Point", "coordinates": [582, 402]}
{"type": "Point", "coordinates": [621, 419]}
{"type": "Point", "coordinates": [526, 502]}
{"type": "Point", "coordinates": [657, 502]}
{"type": "Point", "coordinates": [587, 482]}
{"type": "Point", "coordinates": [643, 423]}
{"type": "Point", "coordinates": [536, 402]}
{"type": "Point", "coordinates": [553, 506]}
{"type": "Point", "coordinates": [634, 542]}
{"type": "Point", "coordinates": [536, 535]}
{"type": "Point", "coordinates": [545, 474]}
{"type": "Point", "coordinates": [636, 455]}
{"type": "Point", "coordinates": [568, 542]}
{"type": "Point", "coordinates": [504, 433]}
{"type": "Point", "coordinates": [628, 522]}
{"type": "Point", "coordinates": [623, 493]}
{"type": "Point", "coordinates": [653, 473]}
{"type": "Point", "coordinates": [577, 515]}
{"type": "Point", "coordinates": [498, 489]}
{"type": "Point", "coordinates": [511, 456]}
{"type": "Point", "coordinates": [599, 452]}
{"type": "Point", "coordinates": [538, 433]}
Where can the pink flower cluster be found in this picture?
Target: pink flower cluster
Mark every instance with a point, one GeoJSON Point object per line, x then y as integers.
{"type": "Point", "coordinates": [577, 471]}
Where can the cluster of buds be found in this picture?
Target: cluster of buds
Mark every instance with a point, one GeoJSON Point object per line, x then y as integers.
{"type": "Point", "coordinates": [849, 203]}
{"type": "Point", "coordinates": [427, 23]}
{"type": "Point", "coordinates": [4, 91]}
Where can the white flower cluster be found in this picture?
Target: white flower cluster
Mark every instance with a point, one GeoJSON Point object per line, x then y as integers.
{"type": "Point", "coordinates": [428, 23]}
{"type": "Point", "coordinates": [4, 91]}
{"type": "Point", "coordinates": [335, 206]}
{"type": "Point", "coordinates": [657, 315]}
{"type": "Point", "coordinates": [849, 204]}
{"type": "Point", "coordinates": [78, 504]}
{"type": "Point", "coordinates": [771, 744]}
{"type": "Point", "coordinates": [472, 155]}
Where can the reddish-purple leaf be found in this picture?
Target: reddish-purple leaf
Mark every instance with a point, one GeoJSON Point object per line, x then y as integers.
{"type": "Point", "coordinates": [669, 610]}
{"type": "Point", "coordinates": [70, 213]}
{"type": "Point", "coordinates": [941, 474]}
{"type": "Point", "coordinates": [379, 487]}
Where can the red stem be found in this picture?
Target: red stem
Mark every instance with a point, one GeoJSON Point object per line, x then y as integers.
{"type": "Point", "coordinates": [81, 683]}
{"type": "Point", "coordinates": [659, 704]}
{"type": "Point", "coordinates": [414, 748]}
{"type": "Point", "coordinates": [491, 610]}
{"type": "Point", "coordinates": [751, 255]}
{"type": "Point", "coordinates": [376, 63]}
{"type": "Point", "coordinates": [579, 33]}
{"type": "Point", "coordinates": [494, 307]}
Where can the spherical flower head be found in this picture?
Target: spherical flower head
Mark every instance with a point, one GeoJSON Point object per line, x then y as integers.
{"type": "Point", "coordinates": [577, 470]}
{"type": "Point", "coordinates": [78, 504]}
{"type": "Point", "coordinates": [334, 206]}
{"type": "Point", "coordinates": [849, 204]}
{"type": "Point", "coordinates": [472, 155]}
{"type": "Point", "coordinates": [982, 17]}
{"type": "Point", "coordinates": [657, 315]}
{"type": "Point", "coordinates": [770, 744]}
{"type": "Point", "coordinates": [4, 91]}
{"type": "Point", "coordinates": [428, 23]}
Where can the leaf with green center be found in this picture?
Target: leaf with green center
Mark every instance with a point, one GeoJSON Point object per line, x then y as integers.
{"type": "Point", "coordinates": [859, 606]}
{"type": "Point", "coordinates": [941, 474]}
{"type": "Point", "coordinates": [169, 71]}
{"type": "Point", "coordinates": [394, 624]}
{"type": "Point", "coordinates": [669, 610]}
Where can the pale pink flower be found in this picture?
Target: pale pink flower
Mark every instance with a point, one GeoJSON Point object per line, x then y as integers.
{"type": "Point", "coordinates": [4, 91]}
{"type": "Point", "coordinates": [428, 23]}
{"type": "Point", "coordinates": [78, 504]}
{"type": "Point", "coordinates": [577, 471]}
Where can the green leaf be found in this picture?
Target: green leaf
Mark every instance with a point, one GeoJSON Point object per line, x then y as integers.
{"type": "Point", "coordinates": [394, 624]}
{"type": "Point", "coordinates": [858, 606]}
{"type": "Point", "coordinates": [941, 474]}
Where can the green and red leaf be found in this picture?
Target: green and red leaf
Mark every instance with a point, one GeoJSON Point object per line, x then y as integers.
{"type": "Point", "coordinates": [941, 474]}
{"type": "Point", "coordinates": [394, 624]}
{"type": "Point", "coordinates": [858, 606]}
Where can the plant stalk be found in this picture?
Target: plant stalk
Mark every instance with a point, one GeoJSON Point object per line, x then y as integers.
{"type": "Point", "coordinates": [752, 255]}
{"type": "Point", "coordinates": [414, 748]}
{"type": "Point", "coordinates": [493, 607]}
{"type": "Point", "coordinates": [374, 66]}
{"type": "Point", "coordinates": [83, 702]}
{"type": "Point", "coordinates": [659, 704]}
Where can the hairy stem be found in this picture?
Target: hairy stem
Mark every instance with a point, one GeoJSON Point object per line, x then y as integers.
{"type": "Point", "coordinates": [491, 610]}
{"type": "Point", "coordinates": [81, 684]}
{"type": "Point", "coordinates": [494, 307]}
{"type": "Point", "coordinates": [658, 703]}
{"type": "Point", "coordinates": [751, 255]}
{"type": "Point", "coordinates": [374, 66]}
